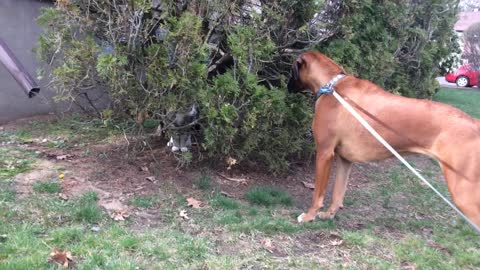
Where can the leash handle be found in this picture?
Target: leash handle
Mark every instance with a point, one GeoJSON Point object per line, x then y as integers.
{"type": "Point", "coordinates": [397, 155]}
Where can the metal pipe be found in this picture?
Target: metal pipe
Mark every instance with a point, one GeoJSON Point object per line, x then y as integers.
{"type": "Point", "coordinates": [16, 69]}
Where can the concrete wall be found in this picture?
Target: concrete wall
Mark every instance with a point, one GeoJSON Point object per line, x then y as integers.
{"type": "Point", "coordinates": [18, 28]}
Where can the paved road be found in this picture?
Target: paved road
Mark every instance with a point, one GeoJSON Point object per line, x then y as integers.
{"type": "Point", "coordinates": [19, 29]}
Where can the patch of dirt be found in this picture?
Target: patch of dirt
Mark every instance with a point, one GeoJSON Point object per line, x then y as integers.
{"type": "Point", "coordinates": [43, 170]}
{"type": "Point", "coordinates": [117, 178]}
{"type": "Point", "coordinates": [107, 171]}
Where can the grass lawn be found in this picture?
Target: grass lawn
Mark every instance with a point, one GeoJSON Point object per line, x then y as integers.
{"type": "Point", "coordinates": [465, 100]}
{"type": "Point", "coordinates": [390, 220]}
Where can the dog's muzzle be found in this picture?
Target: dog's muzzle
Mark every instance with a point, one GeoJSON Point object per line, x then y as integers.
{"type": "Point", "coordinates": [294, 86]}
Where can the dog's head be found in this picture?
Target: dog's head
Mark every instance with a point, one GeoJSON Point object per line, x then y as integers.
{"type": "Point", "coordinates": [311, 70]}
{"type": "Point", "coordinates": [295, 83]}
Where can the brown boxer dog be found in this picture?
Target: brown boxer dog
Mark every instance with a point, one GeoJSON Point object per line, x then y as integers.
{"type": "Point", "coordinates": [409, 125]}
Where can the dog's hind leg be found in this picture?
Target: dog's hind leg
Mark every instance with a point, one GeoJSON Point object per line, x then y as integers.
{"type": "Point", "coordinates": [322, 171]}
{"type": "Point", "coordinates": [343, 172]}
{"type": "Point", "coordinates": [466, 197]}
{"type": "Point", "coordinates": [465, 192]}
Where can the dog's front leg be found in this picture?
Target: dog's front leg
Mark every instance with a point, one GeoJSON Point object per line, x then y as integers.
{"type": "Point", "coordinates": [322, 171]}
{"type": "Point", "coordinates": [343, 171]}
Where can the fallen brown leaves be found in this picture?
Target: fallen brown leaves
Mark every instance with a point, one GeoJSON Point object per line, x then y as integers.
{"type": "Point", "coordinates": [64, 157]}
{"type": "Point", "coordinates": [194, 203]}
{"type": "Point", "coordinates": [120, 215]}
{"type": "Point", "coordinates": [63, 258]}
{"type": "Point", "coordinates": [63, 196]}
{"type": "Point", "coordinates": [151, 179]}
{"type": "Point", "coordinates": [241, 181]}
{"type": "Point", "coordinates": [116, 209]}
{"type": "Point", "coordinates": [231, 162]}
{"type": "Point", "coordinates": [226, 194]}
{"type": "Point", "coordinates": [308, 185]}
{"type": "Point", "coordinates": [267, 245]}
{"type": "Point", "coordinates": [334, 239]}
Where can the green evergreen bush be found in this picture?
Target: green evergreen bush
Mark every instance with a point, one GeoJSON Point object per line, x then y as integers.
{"type": "Point", "coordinates": [232, 58]}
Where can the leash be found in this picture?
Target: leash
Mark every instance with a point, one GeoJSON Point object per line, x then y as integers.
{"type": "Point", "coordinates": [396, 154]}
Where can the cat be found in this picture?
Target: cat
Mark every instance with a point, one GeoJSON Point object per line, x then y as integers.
{"type": "Point", "coordinates": [182, 127]}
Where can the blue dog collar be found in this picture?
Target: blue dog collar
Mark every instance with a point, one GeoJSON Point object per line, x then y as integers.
{"type": "Point", "coordinates": [328, 88]}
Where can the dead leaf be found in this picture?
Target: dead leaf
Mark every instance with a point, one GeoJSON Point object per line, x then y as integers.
{"type": "Point", "coordinates": [335, 239]}
{"type": "Point", "coordinates": [194, 203]}
{"type": "Point", "coordinates": [242, 181]}
{"type": "Point", "coordinates": [183, 214]}
{"type": "Point", "coordinates": [113, 205]}
{"type": "Point", "coordinates": [62, 258]}
{"type": "Point", "coordinates": [334, 234]}
{"type": "Point", "coordinates": [120, 215]}
{"type": "Point", "coordinates": [231, 162]}
{"type": "Point", "coordinates": [407, 266]}
{"type": "Point", "coordinates": [267, 245]}
{"type": "Point", "coordinates": [64, 157]}
{"type": "Point", "coordinates": [226, 194]}
{"type": "Point", "coordinates": [336, 242]}
{"type": "Point", "coordinates": [63, 3]}
{"type": "Point", "coordinates": [144, 168]}
{"type": "Point", "coordinates": [150, 178]}
{"type": "Point", "coordinates": [308, 185]}
{"type": "Point", "coordinates": [63, 196]}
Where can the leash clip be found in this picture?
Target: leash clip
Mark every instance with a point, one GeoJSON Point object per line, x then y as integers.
{"type": "Point", "coordinates": [327, 89]}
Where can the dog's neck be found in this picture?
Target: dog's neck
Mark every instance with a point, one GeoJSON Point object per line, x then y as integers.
{"type": "Point", "coordinates": [324, 72]}
{"type": "Point", "coordinates": [323, 81]}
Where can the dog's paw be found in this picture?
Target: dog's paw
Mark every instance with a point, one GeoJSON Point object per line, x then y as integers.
{"type": "Point", "coordinates": [300, 218]}
{"type": "Point", "coordinates": [175, 149]}
{"type": "Point", "coordinates": [326, 215]}
{"type": "Point", "coordinates": [305, 218]}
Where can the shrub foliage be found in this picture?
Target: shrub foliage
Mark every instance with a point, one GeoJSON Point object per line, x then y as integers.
{"type": "Point", "coordinates": [232, 59]}
{"type": "Point", "coordinates": [397, 44]}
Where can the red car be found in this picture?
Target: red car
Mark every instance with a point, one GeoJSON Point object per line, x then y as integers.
{"type": "Point", "coordinates": [464, 76]}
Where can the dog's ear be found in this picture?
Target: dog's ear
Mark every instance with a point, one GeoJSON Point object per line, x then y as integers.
{"type": "Point", "coordinates": [299, 63]}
